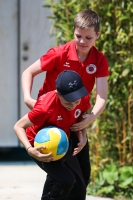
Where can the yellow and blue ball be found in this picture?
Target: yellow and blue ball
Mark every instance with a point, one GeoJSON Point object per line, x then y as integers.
{"type": "Point", "coordinates": [54, 139]}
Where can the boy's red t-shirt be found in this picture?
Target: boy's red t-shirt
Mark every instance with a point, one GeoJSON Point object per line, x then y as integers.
{"type": "Point", "coordinates": [64, 57]}
{"type": "Point", "coordinates": [48, 111]}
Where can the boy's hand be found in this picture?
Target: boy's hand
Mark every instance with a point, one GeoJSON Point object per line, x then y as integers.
{"type": "Point", "coordinates": [36, 153]}
{"type": "Point", "coordinates": [86, 120]}
{"type": "Point", "coordinates": [82, 142]}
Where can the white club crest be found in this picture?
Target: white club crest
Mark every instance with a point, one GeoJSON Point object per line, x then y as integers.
{"type": "Point", "coordinates": [91, 69]}
{"type": "Point", "coordinates": [77, 113]}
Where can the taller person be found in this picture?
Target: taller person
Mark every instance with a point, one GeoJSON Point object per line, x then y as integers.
{"type": "Point", "coordinates": [81, 56]}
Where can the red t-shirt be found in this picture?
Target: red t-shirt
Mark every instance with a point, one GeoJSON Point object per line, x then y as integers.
{"type": "Point", "coordinates": [48, 111]}
{"type": "Point", "coordinates": [64, 57]}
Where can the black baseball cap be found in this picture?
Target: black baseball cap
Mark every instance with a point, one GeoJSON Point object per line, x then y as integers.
{"type": "Point", "coordinates": [69, 84]}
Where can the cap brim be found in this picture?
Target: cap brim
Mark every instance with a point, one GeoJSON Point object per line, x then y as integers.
{"type": "Point", "coordinates": [74, 96]}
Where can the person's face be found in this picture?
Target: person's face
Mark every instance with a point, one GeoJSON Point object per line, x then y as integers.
{"type": "Point", "coordinates": [68, 105]}
{"type": "Point", "coordinates": [85, 39]}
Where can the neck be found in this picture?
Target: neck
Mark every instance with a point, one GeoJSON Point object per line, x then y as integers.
{"type": "Point", "coordinates": [82, 56]}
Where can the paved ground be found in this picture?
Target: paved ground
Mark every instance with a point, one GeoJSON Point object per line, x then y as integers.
{"type": "Point", "coordinates": [23, 181]}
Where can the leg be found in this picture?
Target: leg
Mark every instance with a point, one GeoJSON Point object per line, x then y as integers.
{"type": "Point", "coordinates": [78, 191]}
{"type": "Point", "coordinates": [70, 176]}
{"type": "Point", "coordinates": [48, 185]}
{"type": "Point", "coordinates": [83, 158]}
{"type": "Point", "coordinates": [62, 180]}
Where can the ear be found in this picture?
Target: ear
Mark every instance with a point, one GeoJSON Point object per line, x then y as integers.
{"type": "Point", "coordinates": [57, 94]}
{"type": "Point", "coordinates": [98, 34]}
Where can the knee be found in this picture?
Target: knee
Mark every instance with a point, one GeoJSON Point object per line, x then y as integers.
{"type": "Point", "coordinates": [69, 182]}
{"type": "Point", "coordinates": [66, 185]}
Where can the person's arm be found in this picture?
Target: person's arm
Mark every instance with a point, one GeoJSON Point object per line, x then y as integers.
{"type": "Point", "coordinates": [19, 129]}
{"type": "Point", "coordinates": [82, 141]}
{"type": "Point", "coordinates": [27, 82]}
{"type": "Point", "coordinates": [101, 98]}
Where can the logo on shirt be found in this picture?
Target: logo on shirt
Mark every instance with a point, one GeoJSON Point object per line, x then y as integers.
{"type": "Point", "coordinates": [77, 113]}
{"type": "Point", "coordinates": [91, 69]}
{"type": "Point", "coordinates": [67, 64]}
{"type": "Point", "coordinates": [59, 118]}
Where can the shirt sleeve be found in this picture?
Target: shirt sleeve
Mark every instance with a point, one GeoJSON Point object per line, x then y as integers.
{"type": "Point", "coordinates": [103, 67]}
{"type": "Point", "coordinates": [38, 115]}
{"type": "Point", "coordinates": [50, 60]}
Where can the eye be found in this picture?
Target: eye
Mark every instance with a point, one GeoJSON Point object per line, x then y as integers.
{"type": "Point", "coordinates": [78, 36]}
{"type": "Point", "coordinates": [88, 38]}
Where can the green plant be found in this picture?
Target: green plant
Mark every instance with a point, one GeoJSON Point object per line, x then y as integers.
{"type": "Point", "coordinates": [114, 127]}
{"type": "Point", "coordinates": [112, 181]}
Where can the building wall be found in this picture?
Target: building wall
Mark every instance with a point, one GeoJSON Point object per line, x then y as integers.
{"type": "Point", "coordinates": [24, 37]}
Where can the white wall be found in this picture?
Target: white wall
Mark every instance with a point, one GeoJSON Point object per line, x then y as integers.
{"type": "Point", "coordinates": [35, 32]}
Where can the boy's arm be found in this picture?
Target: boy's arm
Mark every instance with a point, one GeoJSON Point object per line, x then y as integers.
{"type": "Point", "coordinates": [19, 129]}
{"type": "Point", "coordinates": [82, 141]}
{"type": "Point", "coordinates": [101, 98]}
{"type": "Point", "coordinates": [27, 82]}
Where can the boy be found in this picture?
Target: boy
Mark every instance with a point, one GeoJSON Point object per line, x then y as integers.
{"type": "Point", "coordinates": [81, 56]}
{"type": "Point", "coordinates": [69, 101]}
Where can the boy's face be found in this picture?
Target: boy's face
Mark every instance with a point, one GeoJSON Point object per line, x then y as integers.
{"type": "Point", "coordinates": [85, 39]}
{"type": "Point", "coordinates": [68, 105]}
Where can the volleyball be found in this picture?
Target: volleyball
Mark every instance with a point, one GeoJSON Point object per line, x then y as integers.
{"type": "Point", "coordinates": [54, 139]}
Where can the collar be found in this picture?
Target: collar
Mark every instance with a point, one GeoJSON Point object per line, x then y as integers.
{"type": "Point", "coordinates": [72, 51]}
{"type": "Point", "coordinates": [91, 58]}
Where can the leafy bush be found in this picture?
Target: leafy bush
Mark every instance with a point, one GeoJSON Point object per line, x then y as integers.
{"type": "Point", "coordinates": [116, 42]}
{"type": "Point", "coordinates": [113, 181]}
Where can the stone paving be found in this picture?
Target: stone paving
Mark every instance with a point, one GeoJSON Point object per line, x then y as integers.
{"type": "Point", "coordinates": [24, 181]}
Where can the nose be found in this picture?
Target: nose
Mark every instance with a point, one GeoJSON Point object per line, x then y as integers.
{"type": "Point", "coordinates": [82, 40]}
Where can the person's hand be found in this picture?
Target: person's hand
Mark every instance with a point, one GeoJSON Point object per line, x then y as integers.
{"type": "Point", "coordinates": [36, 153]}
{"type": "Point", "coordinates": [86, 120]}
{"type": "Point", "coordinates": [82, 142]}
{"type": "Point", "coordinates": [30, 102]}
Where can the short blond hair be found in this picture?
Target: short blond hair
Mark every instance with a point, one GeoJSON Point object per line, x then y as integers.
{"type": "Point", "coordinates": [86, 19]}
